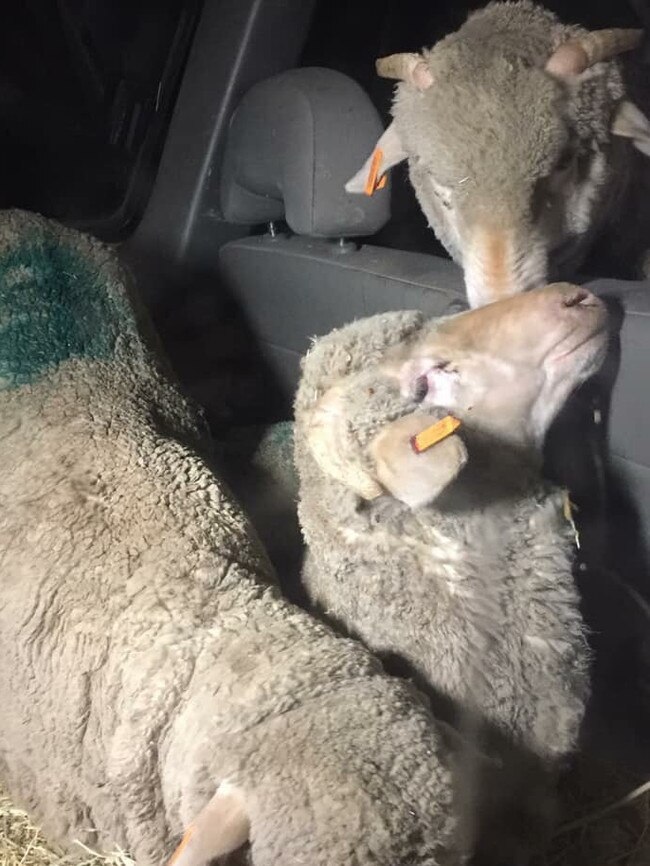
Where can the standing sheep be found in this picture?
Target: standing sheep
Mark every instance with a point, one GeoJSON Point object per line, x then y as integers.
{"type": "Point", "coordinates": [464, 571]}
{"type": "Point", "coordinates": [519, 137]}
{"type": "Point", "coordinates": [151, 674]}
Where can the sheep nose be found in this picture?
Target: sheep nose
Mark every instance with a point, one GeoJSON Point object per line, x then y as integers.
{"type": "Point", "coordinates": [576, 296]}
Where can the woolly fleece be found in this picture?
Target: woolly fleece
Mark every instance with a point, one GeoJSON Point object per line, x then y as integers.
{"type": "Point", "coordinates": [147, 655]}
{"type": "Point", "coordinates": [475, 592]}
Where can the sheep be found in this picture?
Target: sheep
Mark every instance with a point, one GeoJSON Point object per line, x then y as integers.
{"type": "Point", "coordinates": [456, 561]}
{"type": "Point", "coordinates": [519, 135]}
{"type": "Point", "coordinates": [153, 679]}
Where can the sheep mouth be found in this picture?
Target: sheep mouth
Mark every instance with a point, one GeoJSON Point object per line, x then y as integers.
{"type": "Point", "coordinates": [595, 340]}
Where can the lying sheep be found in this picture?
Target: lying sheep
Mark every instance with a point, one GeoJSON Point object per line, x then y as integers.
{"type": "Point", "coordinates": [519, 136]}
{"type": "Point", "coordinates": [151, 674]}
{"type": "Point", "coordinates": [457, 560]}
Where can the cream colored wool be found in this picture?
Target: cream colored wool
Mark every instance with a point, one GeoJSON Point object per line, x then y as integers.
{"type": "Point", "coordinates": [147, 656]}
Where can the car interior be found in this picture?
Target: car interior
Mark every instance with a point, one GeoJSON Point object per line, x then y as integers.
{"type": "Point", "coordinates": [211, 141]}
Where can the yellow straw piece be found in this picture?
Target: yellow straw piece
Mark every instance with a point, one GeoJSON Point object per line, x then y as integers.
{"type": "Point", "coordinates": [435, 433]}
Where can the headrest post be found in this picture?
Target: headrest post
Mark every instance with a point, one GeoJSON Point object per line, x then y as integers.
{"type": "Point", "coordinates": [345, 246]}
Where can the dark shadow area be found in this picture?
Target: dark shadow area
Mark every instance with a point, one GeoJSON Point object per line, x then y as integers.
{"type": "Point", "coordinates": [611, 570]}
{"type": "Point", "coordinates": [214, 352]}
{"type": "Point", "coordinates": [87, 89]}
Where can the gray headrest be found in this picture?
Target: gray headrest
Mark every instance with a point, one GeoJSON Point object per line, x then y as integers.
{"type": "Point", "coordinates": [293, 143]}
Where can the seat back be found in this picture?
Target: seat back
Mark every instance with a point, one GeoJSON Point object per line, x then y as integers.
{"type": "Point", "coordinates": [293, 142]}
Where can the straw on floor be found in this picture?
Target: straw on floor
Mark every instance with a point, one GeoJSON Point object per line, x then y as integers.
{"type": "Point", "coordinates": [22, 844]}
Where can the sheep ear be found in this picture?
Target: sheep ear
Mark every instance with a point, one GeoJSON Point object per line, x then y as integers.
{"type": "Point", "coordinates": [220, 828]}
{"type": "Point", "coordinates": [387, 153]}
{"type": "Point", "coordinates": [332, 450]}
{"type": "Point", "coordinates": [415, 479]}
{"type": "Point", "coordinates": [632, 123]}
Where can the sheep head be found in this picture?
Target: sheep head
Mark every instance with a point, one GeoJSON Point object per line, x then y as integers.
{"type": "Point", "coordinates": [388, 462]}
{"type": "Point", "coordinates": [507, 127]}
{"type": "Point", "coordinates": [504, 371]}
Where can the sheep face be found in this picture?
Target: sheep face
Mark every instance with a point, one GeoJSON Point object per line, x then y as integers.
{"type": "Point", "coordinates": [508, 132]}
{"type": "Point", "coordinates": [504, 371]}
{"type": "Point", "coordinates": [508, 368]}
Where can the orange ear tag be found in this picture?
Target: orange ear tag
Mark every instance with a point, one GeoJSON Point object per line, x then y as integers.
{"type": "Point", "coordinates": [373, 183]}
{"type": "Point", "coordinates": [568, 508]}
{"type": "Point", "coordinates": [182, 845]}
{"type": "Point", "coordinates": [434, 434]}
